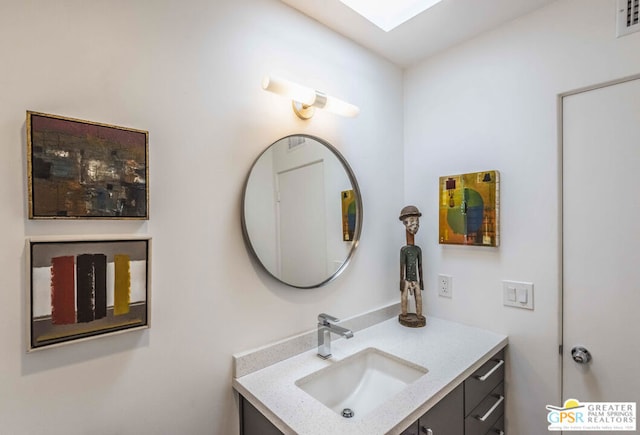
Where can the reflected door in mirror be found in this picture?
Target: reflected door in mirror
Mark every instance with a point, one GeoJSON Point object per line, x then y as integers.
{"type": "Point", "coordinates": [302, 224]}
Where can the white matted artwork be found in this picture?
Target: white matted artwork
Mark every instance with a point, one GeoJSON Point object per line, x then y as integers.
{"type": "Point", "coordinates": [84, 287]}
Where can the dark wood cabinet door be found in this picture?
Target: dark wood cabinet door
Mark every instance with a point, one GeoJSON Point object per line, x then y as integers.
{"type": "Point", "coordinates": [252, 422]}
{"type": "Point", "coordinates": [446, 417]}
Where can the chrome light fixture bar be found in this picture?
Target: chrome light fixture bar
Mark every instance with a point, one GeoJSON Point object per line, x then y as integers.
{"type": "Point", "coordinates": [305, 100]}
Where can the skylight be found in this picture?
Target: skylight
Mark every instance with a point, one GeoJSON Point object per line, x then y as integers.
{"type": "Point", "coordinates": [389, 14]}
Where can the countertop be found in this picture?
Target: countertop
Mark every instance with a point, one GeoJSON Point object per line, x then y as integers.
{"type": "Point", "coordinates": [450, 351]}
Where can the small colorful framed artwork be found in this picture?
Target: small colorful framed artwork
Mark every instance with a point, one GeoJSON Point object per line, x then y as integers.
{"type": "Point", "coordinates": [348, 215]}
{"type": "Point", "coordinates": [86, 170]}
{"type": "Point", "coordinates": [470, 209]}
{"type": "Point", "coordinates": [85, 288]}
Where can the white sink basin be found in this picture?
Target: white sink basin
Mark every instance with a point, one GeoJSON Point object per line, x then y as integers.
{"type": "Point", "coordinates": [361, 382]}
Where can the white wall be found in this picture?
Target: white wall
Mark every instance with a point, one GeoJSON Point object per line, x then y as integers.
{"type": "Point", "coordinates": [189, 72]}
{"type": "Point", "coordinates": [490, 103]}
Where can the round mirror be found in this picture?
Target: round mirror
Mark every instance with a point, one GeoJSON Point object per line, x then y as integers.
{"type": "Point", "coordinates": [302, 211]}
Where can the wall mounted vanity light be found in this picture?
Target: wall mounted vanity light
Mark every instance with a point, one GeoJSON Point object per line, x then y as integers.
{"type": "Point", "coordinates": [305, 100]}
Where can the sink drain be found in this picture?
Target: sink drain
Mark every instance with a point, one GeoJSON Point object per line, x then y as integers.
{"type": "Point", "coordinates": [347, 412]}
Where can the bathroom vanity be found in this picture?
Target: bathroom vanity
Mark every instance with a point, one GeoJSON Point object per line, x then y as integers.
{"type": "Point", "coordinates": [386, 378]}
{"type": "Point", "coordinates": [459, 388]}
{"type": "Point", "coordinates": [475, 407]}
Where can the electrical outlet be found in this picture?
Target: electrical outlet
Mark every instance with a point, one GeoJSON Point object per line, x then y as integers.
{"type": "Point", "coordinates": [445, 286]}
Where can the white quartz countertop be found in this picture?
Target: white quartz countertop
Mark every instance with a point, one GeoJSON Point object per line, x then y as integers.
{"type": "Point", "coordinates": [449, 350]}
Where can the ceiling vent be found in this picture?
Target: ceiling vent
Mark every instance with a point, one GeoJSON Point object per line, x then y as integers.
{"type": "Point", "coordinates": [627, 17]}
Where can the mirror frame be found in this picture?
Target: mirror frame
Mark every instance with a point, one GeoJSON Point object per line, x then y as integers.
{"type": "Point", "coordinates": [359, 208]}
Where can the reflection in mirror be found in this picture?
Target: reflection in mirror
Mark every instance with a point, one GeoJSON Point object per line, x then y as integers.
{"type": "Point", "coordinates": [302, 211]}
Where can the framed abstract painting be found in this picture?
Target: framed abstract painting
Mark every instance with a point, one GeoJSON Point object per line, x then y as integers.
{"type": "Point", "coordinates": [470, 209]}
{"type": "Point", "coordinates": [86, 170]}
{"type": "Point", "coordinates": [84, 288]}
{"type": "Point", "coordinates": [348, 214]}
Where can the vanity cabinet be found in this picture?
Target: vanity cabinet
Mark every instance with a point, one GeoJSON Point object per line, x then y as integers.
{"type": "Point", "coordinates": [253, 422]}
{"type": "Point", "coordinates": [475, 407]}
{"type": "Point", "coordinates": [446, 417]}
{"type": "Point", "coordinates": [484, 398]}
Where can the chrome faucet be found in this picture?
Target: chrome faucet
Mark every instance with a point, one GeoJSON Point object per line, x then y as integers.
{"type": "Point", "coordinates": [325, 328]}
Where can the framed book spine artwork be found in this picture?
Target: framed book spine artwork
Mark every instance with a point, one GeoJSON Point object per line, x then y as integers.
{"type": "Point", "coordinates": [82, 288]}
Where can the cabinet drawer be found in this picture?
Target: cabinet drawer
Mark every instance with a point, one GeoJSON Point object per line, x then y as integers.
{"type": "Point", "coordinates": [484, 416]}
{"type": "Point", "coordinates": [482, 381]}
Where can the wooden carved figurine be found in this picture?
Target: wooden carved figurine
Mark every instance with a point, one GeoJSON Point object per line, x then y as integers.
{"type": "Point", "coordinates": [411, 282]}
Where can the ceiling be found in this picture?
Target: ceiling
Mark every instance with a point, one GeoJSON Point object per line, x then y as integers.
{"type": "Point", "coordinates": [442, 26]}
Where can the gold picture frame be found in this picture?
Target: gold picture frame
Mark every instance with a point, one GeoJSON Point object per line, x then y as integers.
{"type": "Point", "coordinates": [81, 169]}
{"type": "Point", "coordinates": [470, 209]}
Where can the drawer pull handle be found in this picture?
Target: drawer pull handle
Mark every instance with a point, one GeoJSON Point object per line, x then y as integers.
{"type": "Point", "coordinates": [498, 431]}
{"type": "Point", "coordinates": [490, 372]}
{"type": "Point", "coordinates": [493, 408]}
{"type": "Point", "coordinates": [426, 431]}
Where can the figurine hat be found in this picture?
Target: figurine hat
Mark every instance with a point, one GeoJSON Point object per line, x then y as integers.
{"type": "Point", "coordinates": [410, 210]}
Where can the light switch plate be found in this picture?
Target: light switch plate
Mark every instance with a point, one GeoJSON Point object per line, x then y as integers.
{"type": "Point", "coordinates": [517, 294]}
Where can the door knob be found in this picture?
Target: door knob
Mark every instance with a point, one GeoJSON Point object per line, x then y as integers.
{"type": "Point", "coordinates": [580, 355]}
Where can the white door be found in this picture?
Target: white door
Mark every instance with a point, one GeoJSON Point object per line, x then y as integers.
{"type": "Point", "coordinates": [601, 243]}
{"type": "Point", "coordinates": [302, 228]}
